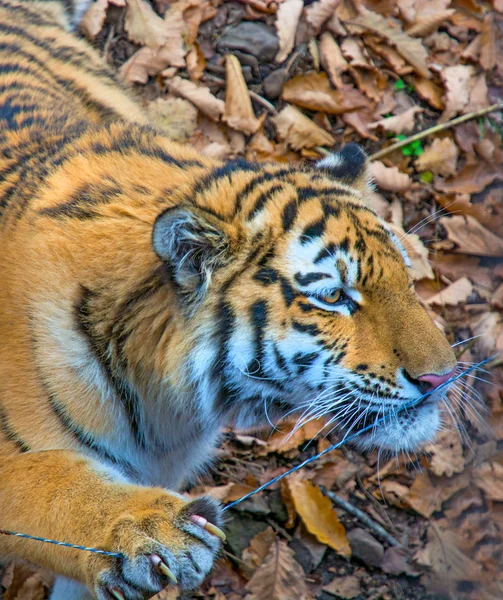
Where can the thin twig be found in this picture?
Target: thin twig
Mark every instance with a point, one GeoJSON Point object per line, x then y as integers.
{"type": "Point", "coordinates": [436, 129]}
{"type": "Point", "coordinates": [363, 517]}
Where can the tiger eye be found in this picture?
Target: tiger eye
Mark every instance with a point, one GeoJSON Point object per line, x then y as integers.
{"type": "Point", "coordinates": [332, 297]}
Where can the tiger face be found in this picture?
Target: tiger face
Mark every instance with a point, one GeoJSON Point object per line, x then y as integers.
{"type": "Point", "coordinates": [311, 303]}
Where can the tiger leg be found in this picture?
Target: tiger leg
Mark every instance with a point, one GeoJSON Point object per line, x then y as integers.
{"type": "Point", "coordinates": [62, 495]}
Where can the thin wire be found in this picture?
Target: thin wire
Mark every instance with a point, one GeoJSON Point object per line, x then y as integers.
{"type": "Point", "coordinates": [344, 441]}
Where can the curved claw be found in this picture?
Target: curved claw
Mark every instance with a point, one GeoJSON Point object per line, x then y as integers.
{"type": "Point", "coordinates": [163, 568]}
{"type": "Point", "coordinates": [117, 594]}
{"type": "Point", "coordinates": [210, 528]}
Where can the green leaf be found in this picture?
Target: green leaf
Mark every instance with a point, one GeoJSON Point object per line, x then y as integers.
{"type": "Point", "coordinates": [426, 176]}
{"type": "Point", "coordinates": [399, 84]}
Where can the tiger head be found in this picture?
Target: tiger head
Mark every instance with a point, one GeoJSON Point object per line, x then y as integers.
{"type": "Point", "coordinates": [304, 302]}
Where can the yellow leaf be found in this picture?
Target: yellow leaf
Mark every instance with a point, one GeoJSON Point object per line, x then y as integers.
{"type": "Point", "coordinates": [318, 515]}
{"type": "Point", "coordinates": [143, 25]}
{"type": "Point", "coordinates": [299, 131]}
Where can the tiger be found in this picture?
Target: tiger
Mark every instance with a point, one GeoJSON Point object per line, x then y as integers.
{"type": "Point", "coordinates": [151, 296]}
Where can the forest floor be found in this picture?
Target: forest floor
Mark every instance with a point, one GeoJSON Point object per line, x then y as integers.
{"type": "Point", "coordinates": [307, 76]}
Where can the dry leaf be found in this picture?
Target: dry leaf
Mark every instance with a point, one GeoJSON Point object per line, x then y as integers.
{"type": "Point", "coordinates": [471, 237]}
{"type": "Point", "coordinates": [472, 178]}
{"type": "Point", "coordinates": [353, 52]}
{"type": "Point", "coordinates": [93, 20]}
{"type": "Point", "coordinates": [428, 23]}
{"type": "Point", "coordinates": [458, 82]}
{"type": "Point", "coordinates": [440, 157]}
{"type": "Point", "coordinates": [313, 91]}
{"type": "Point", "coordinates": [453, 294]}
{"type": "Point", "coordinates": [489, 478]}
{"type": "Point", "coordinates": [399, 123]}
{"type": "Point", "coordinates": [238, 112]}
{"type": "Point", "coordinates": [279, 577]}
{"type": "Point", "coordinates": [196, 62]}
{"type": "Point", "coordinates": [285, 441]}
{"type": "Point", "coordinates": [143, 64]}
{"type": "Point", "coordinates": [331, 59]}
{"type": "Point", "coordinates": [429, 91]}
{"type": "Point", "coordinates": [144, 26]}
{"type": "Point", "coordinates": [488, 53]}
{"type": "Point", "coordinates": [200, 96]}
{"type": "Point", "coordinates": [259, 547]}
{"type": "Point", "coordinates": [299, 131]}
{"type": "Point", "coordinates": [426, 497]}
{"type": "Point", "coordinates": [446, 454]}
{"type": "Point", "coordinates": [409, 48]}
{"type": "Point", "coordinates": [287, 20]}
{"type": "Point", "coordinates": [344, 587]}
{"type": "Point", "coordinates": [318, 515]}
{"type": "Point", "coordinates": [390, 178]}
{"type": "Point", "coordinates": [318, 13]}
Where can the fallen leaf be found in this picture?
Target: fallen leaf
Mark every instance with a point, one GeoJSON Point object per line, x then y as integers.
{"type": "Point", "coordinates": [488, 53]}
{"type": "Point", "coordinates": [453, 294]}
{"type": "Point", "coordinates": [446, 454]}
{"type": "Point", "coordinates": [331, 59]}
{"type": "Point", "coordinates": [426, 497]}
{"type": "Point", "coordinates": [398, 123]}
{"type": "Point", "coordinates": [143, 64]}
{"type": "Point", "coordinates": [196, 62]}
{"type": "Point", "coordinates": [318, 515]}
{"type": "Point", "coordinates": [344, 587]}
{"type": "Point", "coordinates": [458, 83]}
{"type": "Point", "coordinates": [471, 237]}
{"type": "Point", "coordinates": [440, 157]}
{"type": "Point", "coordinates": [318, 13]}
{"type": "Point", "coordinates": [238, 112]}
{"type": "Point", "coordinates": [411, 49]}
{"type": "Point", "coordinates": [259, 547]}
{"type": "Point", "coordinates": [285, 441]}
{"type": "Point", "coordinates": [144, 26]}
{"type": "Point", "coordinates": [472, 178]}
{"type": "Point", "coordinates": [279, 577]}
{"type": "Point", "coordinates": [313, 91]}
{"type": "Point", "coordinates": [200, 96]}
{"type": "Point", "coordinates": [427, 23]}
{"type": "Point", "coordinates": [490, 330]}
{"type": "Point", "coordinates": [93, 20]}
{"type": "Point", "coordinates": [489, 478]}
{"type": "Point", "coordinates": [287, 19]}
{"type": "Point", "coordinates": [299, 131]}
{"type": "Point", "coordinates": [429, 91]}
{"type": "Point", "coordinates": [353, 52]}
{"type": "Point", "coordinates": [389, 178]}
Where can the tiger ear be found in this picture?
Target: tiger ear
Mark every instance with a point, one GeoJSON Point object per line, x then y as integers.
{"type": "Point", "coordinates": [192, 245]}
{"type": "Point", "coordinates": [350, 165]}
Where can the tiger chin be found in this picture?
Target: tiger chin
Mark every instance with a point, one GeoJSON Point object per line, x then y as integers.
{"type": "Point", "coordinates": [150, 296]}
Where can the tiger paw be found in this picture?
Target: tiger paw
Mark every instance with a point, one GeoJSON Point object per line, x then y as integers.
{"type": "Point", "coordinates": [171, 542]}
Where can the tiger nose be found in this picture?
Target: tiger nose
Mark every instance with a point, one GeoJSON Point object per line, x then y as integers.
{"type": "Point", "coordinates": [432, 381]}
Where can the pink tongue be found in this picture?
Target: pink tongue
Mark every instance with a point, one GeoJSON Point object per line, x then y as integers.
{"type": "Point", "coordinates": [436, 380]}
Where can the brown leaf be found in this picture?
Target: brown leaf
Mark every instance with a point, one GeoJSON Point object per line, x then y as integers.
{"type": "Point", "coordinates": [398, 123]}
{"type": "Point", "coordinates": [318, 515]}
{"type": "Point", "coordinates": [458, 83]}
{"type": "Point", "coordinates": [313, 91]}
{"type": "Point", "coordinates": [318, 13]}
{"type": "Point", "coordinates": [284, 441]}
{"type": "Point", "coordinates": [144, 26]}
{"type": "Point", "coordinates": [410, 48]}
{"type": "Point", "coordinates": [143, 64]}
{"type": "Point", "coordinates": [93, 20]}
{"type": "Point", "coordinates": [287, 19]}
{"type": "Point", "coordinates": [299, 131]}
{"type": "Point", "coordinates": [440, 157]}
{"type": "Point", "coordinates": [238, 112]}
{"type": "Point", "coordinates": [488, 54]}
{"type": "Point", "coordinates": [196, 62]}
{"type": "Point", "coordinates": [427, 23]}
{"type": "Point", "coordinates": [259, 547]}
{"type": "Point", "coordinates": [390, 178]}
{"type": "Point", "coordinates": [472, 178]}
{"type": "Point", "coordinates": [429, 91]}
{"type": "Point", "coordinates": [279, 577]}
{"type": "Point", "coordinates": [471, 237]}
{"type": "Point", "coordinates": [427, 497]}
{"type": "Point", "coordinates": [200, 96]}
{"type": "Point", "coordinates": [453, 294]}
{"type": "Point", "coordinates": [489, 478]}
{"type": "Point", "coordinates": [446, 454]}
{"type": "Point", "coordinates": [331, 59]}
{"type": "Point", "coordinates": [344, 587]}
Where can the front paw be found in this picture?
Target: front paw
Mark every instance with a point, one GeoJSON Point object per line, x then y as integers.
{"type": "Point", "coordinates": [171, 541]}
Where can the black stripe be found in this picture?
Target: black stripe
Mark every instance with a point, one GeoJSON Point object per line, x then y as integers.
{"type": "Point", "coordinates": [261, 201]}
{"type": "Point", "coordinates": [98, 347]}
{"type": "Point", "coordinates": [256, 181]}
{"type": "Point", "coordinates": [10, 433]}
{"type": "Point", "coordinates": [308, 328]}
{"type": "Point", "coordinates": [314, 230]}
{"type": "Point", "coordinates": [304, 360]}
{"type": "Point", "coordinates": [310, 277]}
{"type": "Point", "coordinates": [266, 276]}
{"type": "Point", "coordinates": [289, 293]}
{"type": "Point", "coordinates": [327, 252]}
{"type": "Point", "coordinates": [83, 200]}
{"type": "Point", "coordinates": [280, 359]}
{"type": "Point", "coordinates": [224, 172]}
{"type": "Point", "coordinates": [289, 215]}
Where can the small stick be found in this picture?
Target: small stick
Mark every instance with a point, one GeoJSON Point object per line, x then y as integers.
{"type": "Point", "coordinates": [436, 129]}
{"type": "Point", "coordinates": [363, 517]}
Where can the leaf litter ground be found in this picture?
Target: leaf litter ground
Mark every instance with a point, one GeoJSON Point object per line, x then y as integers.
{"type": "Point", "coordinates": [285, 81]}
